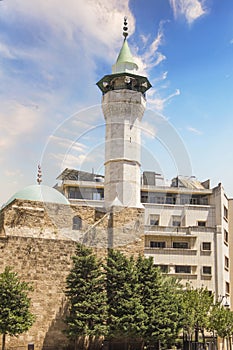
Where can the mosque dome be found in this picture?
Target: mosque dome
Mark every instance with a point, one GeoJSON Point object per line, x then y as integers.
{"type": "Point", "coordinates": [39, 193]}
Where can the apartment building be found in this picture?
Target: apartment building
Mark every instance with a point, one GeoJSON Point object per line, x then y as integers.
{"type": "Point", "coordinates": [186, 224]}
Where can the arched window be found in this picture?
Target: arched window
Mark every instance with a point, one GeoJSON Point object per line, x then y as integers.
{"type": "Point", "coordinates": [77, 223]}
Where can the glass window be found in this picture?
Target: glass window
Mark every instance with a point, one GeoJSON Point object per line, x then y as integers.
{"type": "Point", "coordinates": [226, 263]}
{"type": "Point", "coordinates": [225, 213]}
{"type": "Point", "coordinates": [201, 223]}
{"type": "Point", "coordinates": [226, 236]}
{"type": "Point", "coordinates": [206, 270]}
{"type": "Point", "coordinates": [206, 245]}
{"type": "Point", "coordinates": [154, 244]}
{"type": "Point", "coordinates": [154, 219]}
{"type": "Point", "coordinates": [182, 269]}
{"type": "Point", "coordinates": [77, 223]}
{"type": "Point", "coordinates": [227, 288]}
{"type": "Point", "coordinates": [176, 221]}
{"type": "Point", "coordinates": [163, 268]}
{"type": "Point", "coordinates": [180, 245]}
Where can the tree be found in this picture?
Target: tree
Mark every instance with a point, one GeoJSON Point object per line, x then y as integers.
{"type": "Point", "coordinates": [87, 296]}
{"type": "Point", "coordinates": [126, 316]}
{"type": "Point", "coordinates": [197, 304]}
{"type": "Point", "coordinates": [160, 298]}
{"type": "Point", "coordinates": [15, 315]}
{"type": "Point", "coordinates": [221, 321]}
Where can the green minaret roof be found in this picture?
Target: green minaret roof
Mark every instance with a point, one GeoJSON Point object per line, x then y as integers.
{"type": "Point", "coordinates": [125, 54]}
{"type": "Point", "coordinates": [125, 62]}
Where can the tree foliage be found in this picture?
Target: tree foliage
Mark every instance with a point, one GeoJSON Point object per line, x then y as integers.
{"type": "Point", "coordinates": [86, 294]}
{"type": "Point", "coordinates": [221, 321]}
{"type": "Point", "coordinates": [160, 298]}
{"type": "Point", "coordinates": [131, 299]}
{"type": "Point", "coordinates": [197, 304]}
{"type": "Point", "coordinates": [126, 316]}
{"type": "Point", "coordinates": [15, 315]}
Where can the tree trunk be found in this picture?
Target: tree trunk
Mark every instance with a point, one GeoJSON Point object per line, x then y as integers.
{"type": "Point", "coordinates": [3, 341]}
{"type": "Point", "coordinates": [203, 336]}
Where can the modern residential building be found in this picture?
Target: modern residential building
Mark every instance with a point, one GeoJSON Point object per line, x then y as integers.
{"type": "Point", "coordinates": [186, 224]}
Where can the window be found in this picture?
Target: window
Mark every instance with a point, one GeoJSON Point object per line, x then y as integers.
{"type": "Point", "coordinates": [154, 244]}
{"type": "Point", "coordinates": [160, 200]}
{"type": "Point", "coordinates": [176, 221]}
{"type": "Point", "coordinates": [182, 269]}
{"type": "Point", "coordinates": [201, 223]}
{"type": "Point", "coordinates": [206, 245]}
{"type": "Point", "coordinates": [77, 223]}
{"type": "Point", "coordinates": [170, 200]}
{"type": "Point", "coordinates": [154, 219]}
{"type": "Point", "coordinates": [226, 236]}
{"type": "Point", "coordinates": [206, 270]}
{"type": "Point", "coordinates": [225, 213]}
{"type": "Point", "coordinates": [180, 245]}
{"type": "Point", "coordinates": [227, 288]}
{"type": "Point", "coordinates": [226, 263]}
{"type": "Point", "coordinates": [74, 193]}
{"type": "Point", "coordinates": [163, 268]}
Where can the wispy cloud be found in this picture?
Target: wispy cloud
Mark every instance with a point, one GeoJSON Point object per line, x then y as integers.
{"type": "Point", "coordinates": [158, 103]}
{"type": "Point", "coordinates": [17, 121]}
{"type": "Point", "coordinates": [151, 57]}
{"type": "Point", "coordinates": [190, 9]}
{"type": "Point", "coordinates": [194, 130]}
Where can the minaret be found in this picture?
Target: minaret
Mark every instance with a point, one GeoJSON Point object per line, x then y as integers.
{"type": "Point", "coordinates": [123, 105]}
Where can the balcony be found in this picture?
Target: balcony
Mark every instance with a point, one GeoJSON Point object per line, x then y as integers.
{"type": "Point", "coordinates": [170, 251]}
{"type": "Point", "coordinates": [177, 230]}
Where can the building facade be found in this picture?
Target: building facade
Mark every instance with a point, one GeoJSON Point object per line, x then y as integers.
{"type": "Point", "coordinates": [186, 224]}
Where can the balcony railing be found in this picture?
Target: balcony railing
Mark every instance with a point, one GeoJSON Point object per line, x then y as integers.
{"type": "Point", "coordinates": [169, 251]}
{"type": "Point", "coordinates": [176, 230]}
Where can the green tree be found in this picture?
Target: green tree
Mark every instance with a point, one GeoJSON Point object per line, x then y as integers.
{"type": "Point", "coordinates": [87, 296]}
{"type": "Point", "coordinates": [160, 298]}
{"type": "Point", "coordinates": [221, 321]}
{"type": "Point", "coordinates": [126, 317]}
{"type": "Point", "coordinates": [197, 305]}
{"type": "Point", "coordinates": [15, 315]}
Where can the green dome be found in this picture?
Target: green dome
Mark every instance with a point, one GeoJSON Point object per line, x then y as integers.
{"type": "Point", "coordinates": [39, 193]}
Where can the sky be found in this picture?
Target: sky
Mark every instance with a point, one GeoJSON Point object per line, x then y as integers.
{"type": "Point", "coordinates": [52, 53]}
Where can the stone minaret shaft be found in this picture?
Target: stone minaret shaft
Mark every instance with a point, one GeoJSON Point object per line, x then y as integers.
{"type": "Point", "coordinates": [123, 106]}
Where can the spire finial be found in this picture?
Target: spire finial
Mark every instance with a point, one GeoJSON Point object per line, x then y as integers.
{"type": "Point", "coordinates": [125, 28]}
{"type": "Point", "coordinates": [39, 175]}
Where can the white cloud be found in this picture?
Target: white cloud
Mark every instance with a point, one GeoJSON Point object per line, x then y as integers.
{"type": "Point", "coordinates": [17, 121]}
{"type": "Point", "coordinates": [194, 130]}
{"type": "Point", "coordinates": [190, 9]}
{"type": "Point", "coordinates": [152, 56]}
{"type": "Point", "coordinates": [69, 160]}
{"type": "Point", "coordinates": [5, 51]}
{"type": "Point", "coordinates": [67, 144]}
{"type": "Point", "coordinates": [158, 103]}
{"type": "Point", "coordinates": [93, 21]}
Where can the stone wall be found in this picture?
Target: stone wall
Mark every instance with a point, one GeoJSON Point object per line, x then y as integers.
{"type": "Point", "coordinates": [45, 263]}
{"type": "Point", "coordinates": [37, 240]}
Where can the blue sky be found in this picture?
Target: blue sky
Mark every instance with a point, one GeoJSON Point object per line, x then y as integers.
{"type": "Point", "coordinates": [52, 53]}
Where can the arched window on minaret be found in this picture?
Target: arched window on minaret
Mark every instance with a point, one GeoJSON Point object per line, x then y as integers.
{"type": "Point", "coordinates": [77, 223]}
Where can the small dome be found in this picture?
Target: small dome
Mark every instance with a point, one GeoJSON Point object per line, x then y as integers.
{"type": "Point", "coordinates": [39, 193]}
